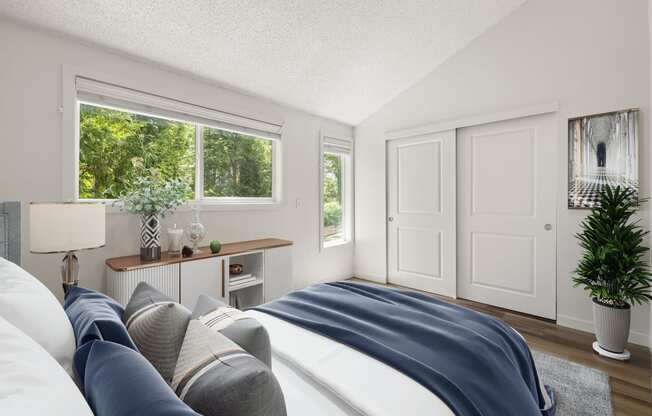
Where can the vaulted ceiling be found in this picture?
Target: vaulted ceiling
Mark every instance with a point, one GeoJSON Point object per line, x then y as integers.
{"type": "Point", "coordinates": [341, 59]}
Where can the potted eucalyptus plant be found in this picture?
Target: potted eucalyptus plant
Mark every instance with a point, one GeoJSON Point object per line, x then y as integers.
{"type": "Point", "coordinates": [613, 267]}
{"type": "Point", "coordinates": [152, 197]}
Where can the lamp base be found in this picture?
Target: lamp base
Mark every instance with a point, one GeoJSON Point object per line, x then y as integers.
{"type": "Point", "coordinates": [69, 271]}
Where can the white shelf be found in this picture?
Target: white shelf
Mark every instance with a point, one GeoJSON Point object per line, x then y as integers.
{"type": "Point", "coordinates": [250, 293]}
{"type": "Point", "coordinates": [258, 281]}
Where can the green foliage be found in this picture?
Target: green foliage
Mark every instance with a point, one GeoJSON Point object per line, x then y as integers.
{"type": "Point", "coordinates": [613, 267]}
{"type": "Point", "coordinates": [153, 195]}
{"type": "Point", "coordinates": [332, 178]}
{"type": "Point", "coordinates": [332, 196]}
{"type": "Point", "coordinates": [236, 165]}
{"type": "Point", "coordinates": [332, 214]}
{"type": "Point", "coordinates": [116, 147]}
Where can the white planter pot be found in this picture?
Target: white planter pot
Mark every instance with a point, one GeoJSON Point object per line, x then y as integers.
{"type": "Point", "coordinates": [611, 326]}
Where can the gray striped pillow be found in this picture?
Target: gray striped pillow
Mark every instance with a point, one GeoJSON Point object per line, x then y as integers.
{"type": "Point", "coordinates": [240, 328]}
{"type": "Point", "coordinates": [215, 376]}
{"type": "Point", "coordinates": [157, 325]}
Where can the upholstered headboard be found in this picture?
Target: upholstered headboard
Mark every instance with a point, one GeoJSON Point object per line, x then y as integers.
{"type": "Point", "coordinates": [10, 231]}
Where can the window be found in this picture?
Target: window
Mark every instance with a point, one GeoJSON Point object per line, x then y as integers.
{"type": "Point", "coordinates": [336, 191]}
{"type": "Point", "coordinates": [236, 165]}
{"type": "Point", "coordinates": [333, 201]}
{"type": "Point", "coordinates": [116, 146]}
{"type": "Point", "coordinates": [221, 162]}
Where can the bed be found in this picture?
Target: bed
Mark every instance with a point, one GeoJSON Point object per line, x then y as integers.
{"type": "Point", "coordinates": [334, 350]}
{"type": "Point", "coordinates": [376, 351]}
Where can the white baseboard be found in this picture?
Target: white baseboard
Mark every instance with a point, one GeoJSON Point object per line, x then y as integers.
{"type": "Point", "coordinates": [370, 277]}
{"type": "Point", "coordinates": [635, 337]}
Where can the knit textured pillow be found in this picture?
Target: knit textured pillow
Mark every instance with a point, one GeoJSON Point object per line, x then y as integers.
{"type": "Point", "coordinates": [240, 328]}
{"type": "Point", "coordinates": [157, 324]}
{"type": "Point", "coordinates": [216, 377]}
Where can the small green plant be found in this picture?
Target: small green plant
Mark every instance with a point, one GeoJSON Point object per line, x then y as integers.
{"type": "Point", "coordinates": [150, 194]}
{"type": "Point", "coordinates": [613, 267]}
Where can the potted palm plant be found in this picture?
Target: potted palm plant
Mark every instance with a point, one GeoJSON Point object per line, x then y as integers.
{"type": "Point", "coordinates": [613, 268]}
{"type": "Point", "coordinates": [152, 197]}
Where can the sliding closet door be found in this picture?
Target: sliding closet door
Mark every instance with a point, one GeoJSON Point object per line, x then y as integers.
{"type": "Point", "coordinates": [507, 175]}
{"type": "Point", "coordinates": [421, 212]}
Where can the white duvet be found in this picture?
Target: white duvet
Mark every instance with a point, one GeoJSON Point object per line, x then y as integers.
{"type": "Point", "coordinates": [322, 377]}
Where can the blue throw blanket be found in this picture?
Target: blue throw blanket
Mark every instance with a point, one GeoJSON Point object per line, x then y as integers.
{"type": "Point", "coordinates": [475, 363]}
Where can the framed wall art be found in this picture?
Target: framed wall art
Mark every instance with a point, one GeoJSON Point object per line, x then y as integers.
{"type": "Point", "coordinates": [602, 149]}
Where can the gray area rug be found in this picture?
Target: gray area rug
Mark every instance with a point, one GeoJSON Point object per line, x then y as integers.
{"type": "Point", "coordinates": [579, 390]}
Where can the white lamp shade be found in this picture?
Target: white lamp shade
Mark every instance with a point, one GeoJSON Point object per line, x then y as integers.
{"type": "Point", "coordinates": [63, 227]}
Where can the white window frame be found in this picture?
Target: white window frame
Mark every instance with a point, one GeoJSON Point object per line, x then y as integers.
{"type": "Point", "coordinates": [329, 144]}
{"type": "Point", "coordinates": [275, 199]}
{"type": "Point", "coordinates": [111, 94]}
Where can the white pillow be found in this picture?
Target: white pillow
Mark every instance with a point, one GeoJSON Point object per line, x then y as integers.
{"type": "Point", "coordinates": [32, 383]}
{"type": "Point", "coordinates": [31, 307]}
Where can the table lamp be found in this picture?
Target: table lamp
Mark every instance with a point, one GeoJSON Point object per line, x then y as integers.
{"type": "Point", "coordinates": [66, 227]}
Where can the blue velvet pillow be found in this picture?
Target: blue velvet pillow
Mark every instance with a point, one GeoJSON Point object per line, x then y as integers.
{"type": "Point", "coordinates": [95, 316]}
{"type": "Point", "coordinates": [119, 381]}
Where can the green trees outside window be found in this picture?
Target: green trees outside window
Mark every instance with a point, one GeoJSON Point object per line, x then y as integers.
{"type": "Point", "coordinates": [116, 147]}
{"type": "Point", "coordinates": [333, 224]}
{"type": "Point", "coordinates": [236, 165]}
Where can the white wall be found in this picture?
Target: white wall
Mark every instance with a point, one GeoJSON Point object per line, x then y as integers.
{"type": "Point", "coordinates": [591, 56]}
{"type": "Point", "coordinates": [31, 155]}
{"type": "Point", "coordinates": [650, 147]}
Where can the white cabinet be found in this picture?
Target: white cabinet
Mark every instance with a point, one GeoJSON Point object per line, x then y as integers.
{"type": "Point", "coordinates": [266, 275]}
{"type": "Point", "coordinates": [278, 272]}
{"type": "Point", "coordinates": [203, 277]}
{"type": "Point", "coordinates": [121, 284]}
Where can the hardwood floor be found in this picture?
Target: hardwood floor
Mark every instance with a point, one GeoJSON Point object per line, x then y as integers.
{"type": "Point", "coordinates": [631, 390]}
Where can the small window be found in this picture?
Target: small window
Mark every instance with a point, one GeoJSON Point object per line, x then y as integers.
{"type": "Point", "coordinates": [333, 198]}
{"type": "Point", "coordinates": [336, 191]}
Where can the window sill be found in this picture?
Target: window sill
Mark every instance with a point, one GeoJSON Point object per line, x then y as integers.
{"type": "Point", "coordinates": [206, 205]}
{"type": "Point", "coordinates": [336, 243]}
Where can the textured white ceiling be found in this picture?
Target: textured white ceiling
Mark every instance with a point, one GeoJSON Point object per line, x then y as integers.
{"type": "Point", "coordinates": [341, 59]}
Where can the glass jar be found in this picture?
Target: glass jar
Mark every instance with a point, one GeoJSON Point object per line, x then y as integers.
{"type": "Point", "coordinates": [175, 240]}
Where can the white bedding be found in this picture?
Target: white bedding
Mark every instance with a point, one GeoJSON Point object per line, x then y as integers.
{"type": "Point", "coordinates": [32, 382]}
{"type": "Point", "coordinates": [322, 377]}
{"type": "Point", "coordinates": [304, 396]}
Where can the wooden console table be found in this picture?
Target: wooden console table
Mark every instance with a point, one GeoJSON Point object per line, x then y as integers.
{"type": "Point", "coordinates": [268, 260]}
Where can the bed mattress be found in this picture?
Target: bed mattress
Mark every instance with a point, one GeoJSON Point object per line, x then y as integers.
{"type": "Point", "coordinates": [322, 377]}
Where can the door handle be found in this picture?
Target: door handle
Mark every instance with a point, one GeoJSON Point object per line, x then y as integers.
{"type": "Point", "coordinates": [390, 219]}
{"type": "Point", "coordinates": [547, 227]}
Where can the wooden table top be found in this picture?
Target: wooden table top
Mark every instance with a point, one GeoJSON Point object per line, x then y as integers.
{"type": "Point", "coordinates": [126, 263]}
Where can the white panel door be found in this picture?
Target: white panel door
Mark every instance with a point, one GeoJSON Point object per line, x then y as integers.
{"type": "Point", "coordinates": [506, 199]}
{"type": "Point", "coordinates": [421, 212]}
